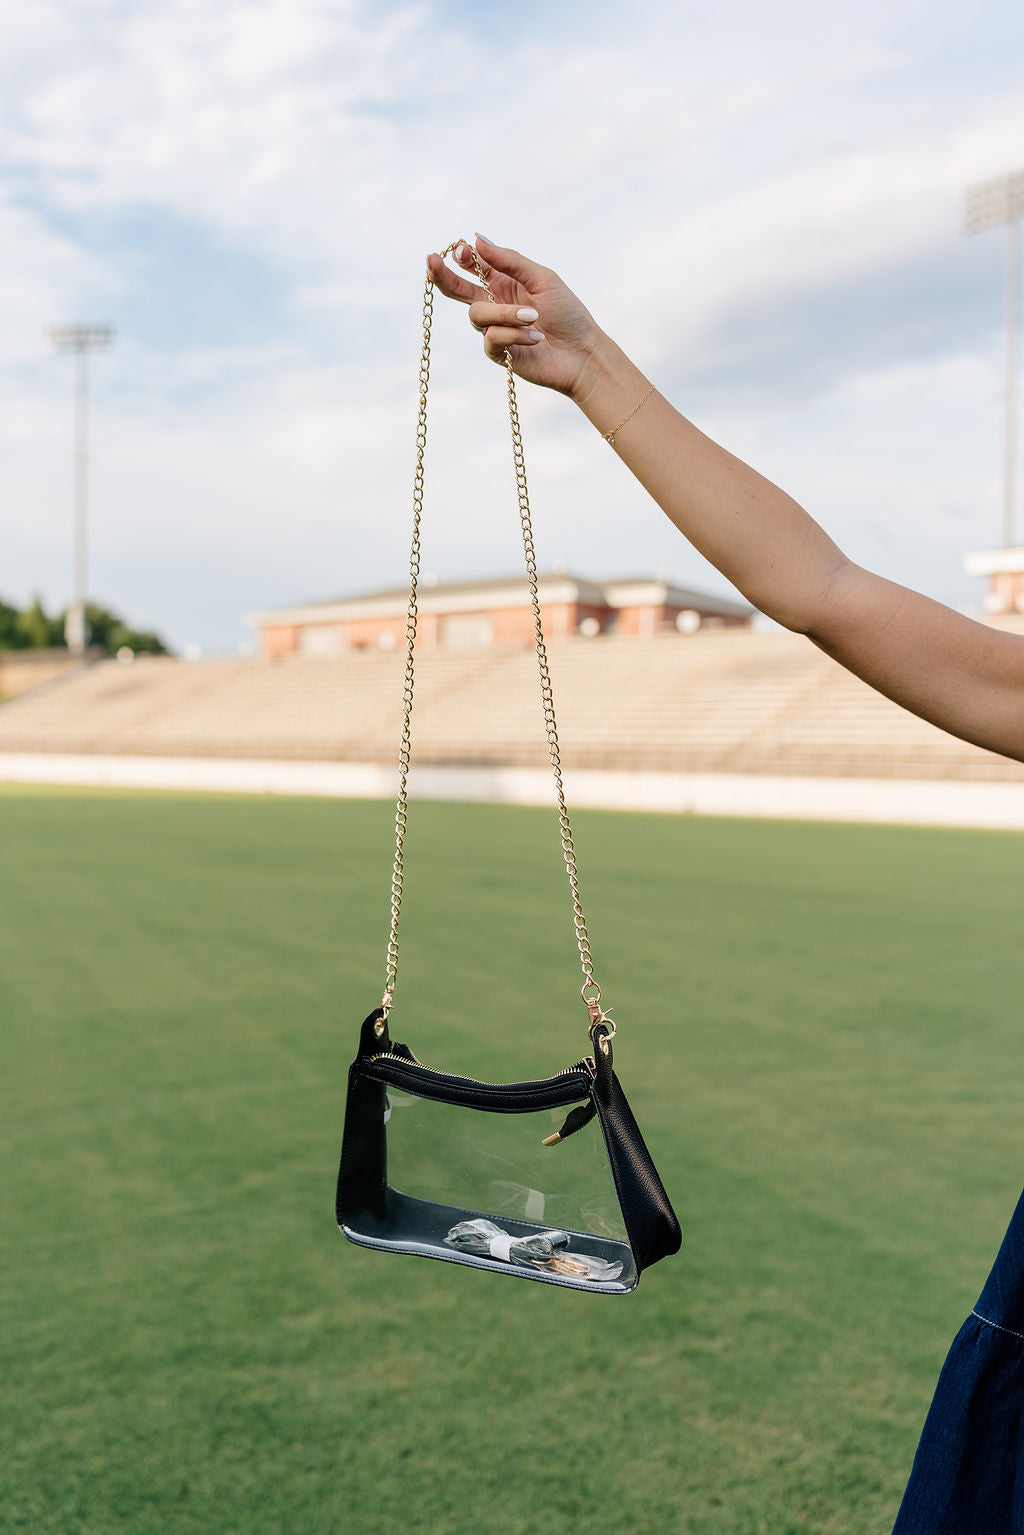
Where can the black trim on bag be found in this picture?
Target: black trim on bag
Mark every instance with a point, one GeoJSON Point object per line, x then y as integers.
{"type": "Point", "coordinates": [498, 1097]}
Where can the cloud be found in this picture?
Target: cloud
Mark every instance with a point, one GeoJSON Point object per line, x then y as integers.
{"type": "Point", "coordinates": [765, 207]}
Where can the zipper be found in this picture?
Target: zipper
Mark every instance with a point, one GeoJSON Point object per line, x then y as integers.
{"type": "Point", "coordinates": [420, 1076]}
{"type": "Point", "coordinates": [584, 1067]}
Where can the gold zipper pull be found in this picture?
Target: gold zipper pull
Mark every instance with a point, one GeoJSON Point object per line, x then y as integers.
{"type": "Point", "coordinates": [575, 1120]}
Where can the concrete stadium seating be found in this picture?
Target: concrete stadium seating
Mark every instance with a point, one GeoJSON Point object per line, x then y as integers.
{"type": "Point", "coordinates": [734, 701]}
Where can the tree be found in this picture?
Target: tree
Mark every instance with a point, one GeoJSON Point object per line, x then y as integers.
{"type": "Point", "coordinates": [12, 636]}
{"type": "Point", "coordinates": [40, 631]}
{"type": "Point", "coordinates": [32, 628]}
{"type": "Point", "coordinates": [112, 633]}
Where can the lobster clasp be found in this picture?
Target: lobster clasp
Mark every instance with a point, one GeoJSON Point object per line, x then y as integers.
{"type": "Point", "coordinates": [602, 1016]}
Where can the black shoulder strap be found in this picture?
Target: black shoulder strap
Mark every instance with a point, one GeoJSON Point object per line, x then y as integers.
{"type": "Point", "coordinates": [651, 1223]}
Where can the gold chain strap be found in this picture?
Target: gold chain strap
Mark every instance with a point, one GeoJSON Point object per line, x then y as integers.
{"type": "Point", "coordinates": [590, 990]}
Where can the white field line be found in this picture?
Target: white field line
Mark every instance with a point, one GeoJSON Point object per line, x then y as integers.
{"type": "Point", "coordinates": [921, 802]}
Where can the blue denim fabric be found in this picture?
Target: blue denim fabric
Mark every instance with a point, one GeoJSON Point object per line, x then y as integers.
{"type": "Point", "coordinates": [968, 1474]}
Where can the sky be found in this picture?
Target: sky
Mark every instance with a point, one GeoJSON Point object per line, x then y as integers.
{"type": "Point", "coordinates": [763, 205]}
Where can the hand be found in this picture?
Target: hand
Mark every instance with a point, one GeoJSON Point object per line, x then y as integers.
{"type": "Point", "coordinates": [550, 334]}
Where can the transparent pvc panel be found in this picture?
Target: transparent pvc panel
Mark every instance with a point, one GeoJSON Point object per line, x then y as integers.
{"type": "Point", "coordinates": [479, 1187]}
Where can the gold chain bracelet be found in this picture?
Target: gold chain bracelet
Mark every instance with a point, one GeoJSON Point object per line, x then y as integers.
{"type": "Point", "coordinates": [609, 437]}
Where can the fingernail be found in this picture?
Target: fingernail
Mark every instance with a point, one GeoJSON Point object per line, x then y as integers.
{"type": "Point", "coordinates": [487, 238]}
{"type": "Point", "coordinates": [526, 314]}
{"type": "Point", "coordinates": [460, 254]}
{"type": "Point", "coordinates": [535, 335]}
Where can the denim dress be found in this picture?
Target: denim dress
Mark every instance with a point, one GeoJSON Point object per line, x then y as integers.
{"type": "Point", "coordinates": [968, 1473]}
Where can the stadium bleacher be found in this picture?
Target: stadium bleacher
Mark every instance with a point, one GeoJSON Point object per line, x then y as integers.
{"type": "Point", "coordinates": [726, 701]}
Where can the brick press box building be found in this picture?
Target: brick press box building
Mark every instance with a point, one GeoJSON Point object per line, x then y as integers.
{"type": "Point", "coordinates": [461, 614]}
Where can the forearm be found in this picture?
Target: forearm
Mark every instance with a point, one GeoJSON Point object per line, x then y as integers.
{"type": "Point", "coordinates": [756, 535]}
{"type": "Point", "coordinates": [962, 676]}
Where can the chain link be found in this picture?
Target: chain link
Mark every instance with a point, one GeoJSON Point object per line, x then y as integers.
{"type": "Point", "coordinates": [590, 990]}
{"type": "Point", "coordinates": [411, 619]}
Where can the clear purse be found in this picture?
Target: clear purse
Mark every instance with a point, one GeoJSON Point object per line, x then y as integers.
{"type": "Point", "coordinates": [547, 1179]}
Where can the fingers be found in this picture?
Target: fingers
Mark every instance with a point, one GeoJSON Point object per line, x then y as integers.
{"type": "Point", "coordinates": [512, 264]}
{"type": "Point", "coordinates": [483, 313]}
{"type": "Point", "coordinates": [498, 338]}
{"type": "Point", "coordinates": [471, 261]}
{"type": "Point", "coordinates": [451, 284]}
{"type": "Point", "coordinates": [493, 258]}
{"type": "Point", "coordinates": [504, 325]}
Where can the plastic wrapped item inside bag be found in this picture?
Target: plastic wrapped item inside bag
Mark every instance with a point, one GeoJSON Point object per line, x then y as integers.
{"type": "Point", "coordinates": [548, 1250]}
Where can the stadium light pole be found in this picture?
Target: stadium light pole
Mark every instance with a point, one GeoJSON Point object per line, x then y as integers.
{"type": "Point", "coordinates": [80, 340]}
{"type": "Point", "coordinates": [1001, 201]}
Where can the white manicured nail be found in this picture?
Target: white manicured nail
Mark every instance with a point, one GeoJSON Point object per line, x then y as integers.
{"type": "Point", "coordinates": [535, 335]}
{"type": "Point", "coordinates": [460, 254]}
{"type": "Point", "coordinates": [487, 238]}
{"type": "Point", "coordinates": [526, 314]}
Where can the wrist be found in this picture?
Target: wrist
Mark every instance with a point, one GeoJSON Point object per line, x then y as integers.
{"type": "Point", "coordinates": [608, 384]}
{"type": "Point", "coordinates": [597, 365]}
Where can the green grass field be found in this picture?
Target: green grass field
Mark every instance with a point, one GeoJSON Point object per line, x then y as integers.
{"type": "Point", "coordinates": [819, 1031]}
